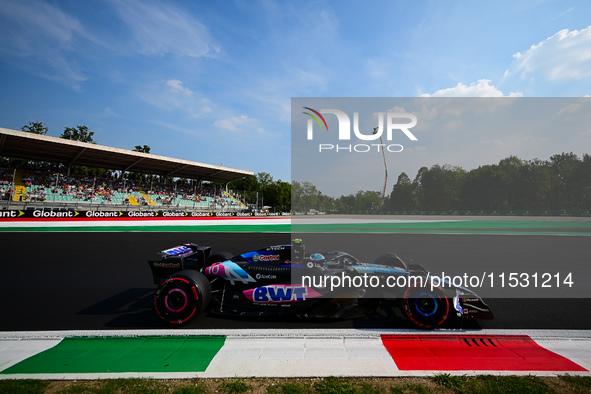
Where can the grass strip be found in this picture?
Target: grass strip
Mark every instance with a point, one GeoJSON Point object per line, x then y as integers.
{"type": "Point", "coordinates": [451, 227]}
{"type": "Point", "coordinates": [459, 224]}
{"type": "Point", "coordinates": [440, 383]}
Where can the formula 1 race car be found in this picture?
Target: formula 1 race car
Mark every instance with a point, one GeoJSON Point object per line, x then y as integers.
{"type": "Point", "coordinates": [285, 280]}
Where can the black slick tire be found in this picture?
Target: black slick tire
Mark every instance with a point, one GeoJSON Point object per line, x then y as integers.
{"type": "Point", "coordinates": [425, 307]}
{"type": "Point", "coordinates": [182, 296]}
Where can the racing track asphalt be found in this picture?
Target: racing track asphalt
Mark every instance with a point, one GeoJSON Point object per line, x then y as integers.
{"type": "Point", "coordinates": [88, 281]}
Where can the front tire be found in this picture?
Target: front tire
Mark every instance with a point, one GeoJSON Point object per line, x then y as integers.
{"type": "Point", "coordinates": [182, 296]}
{"type": "Point", "coordinates": [425, 307]}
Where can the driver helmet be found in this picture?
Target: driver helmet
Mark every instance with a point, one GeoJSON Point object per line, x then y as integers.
{"type": "Point", "coordinates": [316, 256]}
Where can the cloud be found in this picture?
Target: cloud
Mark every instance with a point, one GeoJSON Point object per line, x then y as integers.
{"type": "Point", "coordinates": [173, 95]}
{"type": "Point", "coordinates": [235, 123]}
{"type": "Point", "coordinates": [515, 142]}
{"type": "Point", "coordinates": [176, 86]}
{"type": "Point", "coordinates": [481, 89]}
{"type": "Point", "coordinates": [41, 38]}
{"type": "Point", "coordinates": [161, 29]}
{"type": "Point", "coordinates": [109, 112]}
{"type": "Point", "coordinates": [377, 69]}
{"type": "Point", "coordinates": [565, 55]}
{"type": "Point", "coordinates": [569, 109]}
{"type": "Point", "coordinates": [580, 108]}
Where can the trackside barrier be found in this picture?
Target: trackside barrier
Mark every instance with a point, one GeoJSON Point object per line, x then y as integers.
{"type": "Point", "coordinates": [15, 214]}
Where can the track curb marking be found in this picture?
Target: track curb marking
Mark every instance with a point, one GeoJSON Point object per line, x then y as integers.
{"type": "Point", "coordinates": [289, 353]}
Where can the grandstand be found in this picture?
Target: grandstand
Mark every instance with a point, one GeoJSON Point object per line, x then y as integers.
{"type": "Point", "coordinates": [194, 186]}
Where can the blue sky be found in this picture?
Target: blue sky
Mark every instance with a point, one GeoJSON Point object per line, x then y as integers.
{"type": "Point", "coordinates": [212, 82]}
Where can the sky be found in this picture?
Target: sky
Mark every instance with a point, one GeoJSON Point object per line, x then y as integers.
{"type": "Point", "coordinates": [212, 82]}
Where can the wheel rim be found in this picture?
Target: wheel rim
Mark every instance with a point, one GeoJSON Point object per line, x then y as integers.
{"type": "Point", "coordinates": [176, 300]}
{"type": "Point", "coordinates": [426, 304]}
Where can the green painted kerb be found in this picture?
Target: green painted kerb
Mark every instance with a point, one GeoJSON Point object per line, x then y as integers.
{"type": "Point", "coordinates": [123, 354]}
{"type": "Point", "coordinates": [460, 227]}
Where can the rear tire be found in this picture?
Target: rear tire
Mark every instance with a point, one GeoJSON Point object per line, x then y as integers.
{"type": "Point", "coordinates": [425, 307]}
{"type": "Point", "coordinates": [182, 296]}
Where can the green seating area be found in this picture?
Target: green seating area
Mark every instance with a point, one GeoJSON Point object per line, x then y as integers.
{"type": "Point", "coordinates": [46, 188]}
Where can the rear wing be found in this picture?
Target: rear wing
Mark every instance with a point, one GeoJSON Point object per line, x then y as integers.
{"type": "Point", "coordinates": [182, 257]}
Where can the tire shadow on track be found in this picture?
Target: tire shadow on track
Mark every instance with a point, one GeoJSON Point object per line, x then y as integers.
{"type": "Point", "coordinates": [132, 308]}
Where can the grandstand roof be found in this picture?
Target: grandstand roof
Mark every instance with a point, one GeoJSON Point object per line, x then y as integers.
{"type": "Point", "coordinates": [20, 144]}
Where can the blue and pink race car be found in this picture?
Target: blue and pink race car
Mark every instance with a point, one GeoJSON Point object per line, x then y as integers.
{"type": "Point", "coordinates": [285, 280]}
